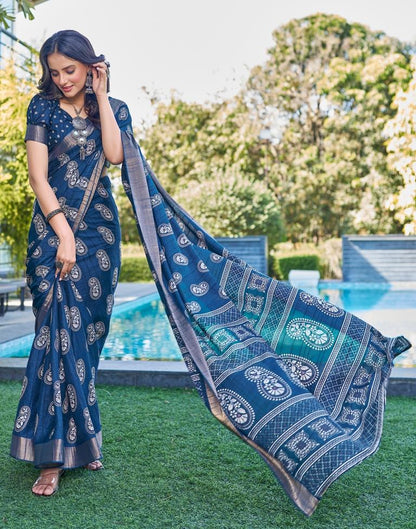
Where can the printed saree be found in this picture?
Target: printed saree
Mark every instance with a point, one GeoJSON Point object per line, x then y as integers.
{"type": "Point", "coordinates": [297, 378]}
{"type": "Point", "coordinates": [58, 422]}
{"type": "Point", "coordinates": [300, 380]}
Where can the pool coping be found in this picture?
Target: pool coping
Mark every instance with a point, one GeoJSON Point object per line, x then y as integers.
{"type": "Point", "coordinates": [173, 373]}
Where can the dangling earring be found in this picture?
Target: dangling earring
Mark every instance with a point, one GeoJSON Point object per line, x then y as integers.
{"type": "Point", "coordinates": [88, 83]}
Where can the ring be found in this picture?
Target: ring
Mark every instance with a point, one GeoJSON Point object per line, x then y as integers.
{"type": "Point", "coordinates": [59, 265]}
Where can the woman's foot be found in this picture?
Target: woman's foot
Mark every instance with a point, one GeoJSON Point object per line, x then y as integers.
{"type": "Point", "coordinates": [48, 482]}
{"type": "Point", "coordinates": [94, 465]}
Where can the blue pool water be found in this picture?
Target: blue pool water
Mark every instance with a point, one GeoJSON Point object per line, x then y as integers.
{"type": "Point", "coordinates": [140, 329]}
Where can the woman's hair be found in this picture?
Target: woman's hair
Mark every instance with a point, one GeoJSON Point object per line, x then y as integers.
{"type": "Point", "coordinates": [74, 45]}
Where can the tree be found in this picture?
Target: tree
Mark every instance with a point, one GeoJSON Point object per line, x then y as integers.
{"type": "Point", "coordinates": [6, 16]}
{"type": "Point", "coordinates": [327, 87]}
{"type": "Point", "coordinates": [401, 146]}
{"type": "Point", "coordinates": [16, 196]}
{"type": "Point", "coordinates": [210, 159]}
{"type": "Point", "coordinates": [229, 204]}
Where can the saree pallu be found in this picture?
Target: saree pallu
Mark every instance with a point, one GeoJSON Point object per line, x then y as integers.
{"type": "Point", "coordinates": [58, 421]}
{"type": "Point", "coordinates": [300, 380]}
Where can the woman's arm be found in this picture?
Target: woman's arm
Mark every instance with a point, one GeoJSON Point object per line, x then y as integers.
{"type": "Point", "coordinates": [110, 131]}
{"type": "Point", "coordinates": [37, 159]}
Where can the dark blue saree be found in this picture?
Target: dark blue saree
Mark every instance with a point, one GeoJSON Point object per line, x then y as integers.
{"type": "Point", "coordinates": [297, 378]}
{"type": "Point", "coordinates": [58, 422]}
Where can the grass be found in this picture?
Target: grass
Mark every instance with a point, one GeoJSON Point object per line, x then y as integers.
{"type": "Point", "coordinates": [169, 464]}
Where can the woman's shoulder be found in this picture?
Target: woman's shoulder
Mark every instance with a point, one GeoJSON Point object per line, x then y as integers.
{"type": "Point", "coordinates": [39, 100]}
{"type": "Point", "coordinates": [39, 108]}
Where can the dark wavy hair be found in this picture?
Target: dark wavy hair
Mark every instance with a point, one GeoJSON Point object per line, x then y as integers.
{"type": "Point", "coordinates": [74, 45]}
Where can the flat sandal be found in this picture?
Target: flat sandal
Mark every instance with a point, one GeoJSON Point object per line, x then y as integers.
{"type": "Point", "coordinates": [90, 466]}
{"type": "Point", "coordinates": [47, 481]}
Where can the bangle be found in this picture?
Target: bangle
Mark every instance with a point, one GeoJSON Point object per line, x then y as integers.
{"type": "Point", "coordinates": [53, 213]}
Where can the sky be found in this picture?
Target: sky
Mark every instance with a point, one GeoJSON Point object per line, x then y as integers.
{"type": "Point", "coordinates": [194, 47]}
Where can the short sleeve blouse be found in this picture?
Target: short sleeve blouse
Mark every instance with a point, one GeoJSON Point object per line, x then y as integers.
{"type": "Point", "coordinates": [38, 119]}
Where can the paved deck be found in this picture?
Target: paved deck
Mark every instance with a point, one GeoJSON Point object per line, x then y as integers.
{"type": "Point", "coordinates": [174, 373]}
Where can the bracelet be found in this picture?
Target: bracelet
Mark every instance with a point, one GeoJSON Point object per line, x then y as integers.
{"type": "Point", "coordinates": [53, 213]}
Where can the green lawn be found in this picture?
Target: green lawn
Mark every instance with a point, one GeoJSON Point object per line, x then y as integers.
{"type": "Point", "coordinates": [169, 464]}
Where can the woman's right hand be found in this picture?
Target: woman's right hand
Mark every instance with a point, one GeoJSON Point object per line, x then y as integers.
{"type": "Point", "coordinates": [66, 255]}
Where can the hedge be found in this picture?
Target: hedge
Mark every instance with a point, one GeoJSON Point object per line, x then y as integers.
{"type": "Point", "coordinates": [281, 266]}
{"type": "Point", "coordinates": [135, 269]}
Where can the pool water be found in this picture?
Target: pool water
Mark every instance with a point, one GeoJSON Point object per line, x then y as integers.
{"type": "Point", "coordinates": [140, 330]}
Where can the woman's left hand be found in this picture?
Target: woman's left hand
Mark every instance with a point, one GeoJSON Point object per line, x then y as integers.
{"type": "Point", "coordinates": [99, 78]}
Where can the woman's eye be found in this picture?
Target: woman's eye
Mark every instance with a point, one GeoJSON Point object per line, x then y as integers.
{"type": "Point", "coordinates": [70, 72]}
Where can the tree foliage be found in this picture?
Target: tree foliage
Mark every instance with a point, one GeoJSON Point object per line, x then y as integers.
{"type": "Point", "coordinates": [327, 87]}
{"type": "Point", "coordinates": [309, 125]}
{"type": "Point", "coordinates": [210, 159]}
{"type": "Point", "coordinates": [401, 146]}
{"type": "Point", "coordinates": [7, 16]}
{"type": "Point", "coordinates": [16, 196]}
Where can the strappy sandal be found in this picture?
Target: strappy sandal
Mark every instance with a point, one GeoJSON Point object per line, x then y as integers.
{"type": "Point", "coordinates": [50, 480]}
{"type": "Point", "coordinates": [94, 465]}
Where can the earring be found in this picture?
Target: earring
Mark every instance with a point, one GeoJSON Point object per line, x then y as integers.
{"type": "Point", "coordinates": [88, 83]}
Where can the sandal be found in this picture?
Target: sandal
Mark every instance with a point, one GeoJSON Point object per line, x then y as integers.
{"type": "Point", "coordinates": [94, 465]}
{"type": "Point", "coordinates": [49, 480]}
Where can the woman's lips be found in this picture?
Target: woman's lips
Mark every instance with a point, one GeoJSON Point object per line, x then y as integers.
{"type": "Point", "coordinates": [66, 88]}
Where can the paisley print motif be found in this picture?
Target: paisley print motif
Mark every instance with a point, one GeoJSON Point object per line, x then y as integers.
{"type": "Point", "coordinates": [202, 267]}
{"type": "Point", "coordinates": [104, 211]}
{"type": "Point", "coordinates": [193, 307]}
{"type": "Point", "coordinates": [95, 288]}
{"type": "Point", "coordinates": [103, 260]}
{"type": "Point", "coordinates": [155, 200]}
{"type": "Point", "coordinates": [71, 435]}
{"type": "Point", "coordinates": [72, 174]}
{"type": "Point", "coordinates": [47, 377]}
{"type": "Point", "coordinates": [180, 259]}
{"type": "Point", "coordinates": [22, 418]}
{"type": "Point", "coordinates": [74, 319]}
{"type": "Point", "coordinates": [80, 368]}
{"type": "Point", "coordinates": [324, 306]}
{"type": "Point", "coordinates": [43, 338]}
{"type": "Point", "coordinates": [109, 303]}
{"type": "Point", "coordinates": [57, 400]}
{"type": "Point", "coordinates": [72, 396]}
{"type": "Point", "coordinates": [300, 369]}
{"type": "Point", "coordinates": [75, 274]}
{"type": "Point", "coordinates": [269, 385]}
{"type": "Point", "coordinates": [42, 271]}
{"type": "Point", "coordinates": [183, 240]}
{"type": "Point", "coordinates": [88, 422]}
{"type": "Point", "coordinates": [237, 409]}
{"type": "Point", "coordinates": [80, 247]}
{"type": "Point", "coordinates": [39, 224]}
{"type": "Point", "coordinates": [201, 289]}
{"type": "Point", "coordinates": [106, 234]}
{"type": "Point", "coordinates": [164, 230]}
{"type": "Point", "coordinates": [115, 277]}
{"type": "Point", "coordinates": [24, 386]}
{"type": "Point", "coordinates": [92, 399]}
{"type": "Point", "coordinates": [316, 336]}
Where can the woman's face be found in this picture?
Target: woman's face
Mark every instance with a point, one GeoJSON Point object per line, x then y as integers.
{"type": "Point", "coordinates": [68, 74]}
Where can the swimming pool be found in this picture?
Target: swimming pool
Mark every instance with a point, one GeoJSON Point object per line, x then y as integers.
{"type": "Point", "coordinates": [140, 330]}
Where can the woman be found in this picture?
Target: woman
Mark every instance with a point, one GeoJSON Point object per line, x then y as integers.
{"type": "Point", "coordinates": [301, 381]}
{"type": "Point", "coordinates": [73, 257]}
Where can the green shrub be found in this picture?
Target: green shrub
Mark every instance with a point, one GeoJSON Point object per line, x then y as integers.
{"type": "Point", "coordinates": [283, 265]}
{"type": "Point", "coordinates": [135, 269]}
